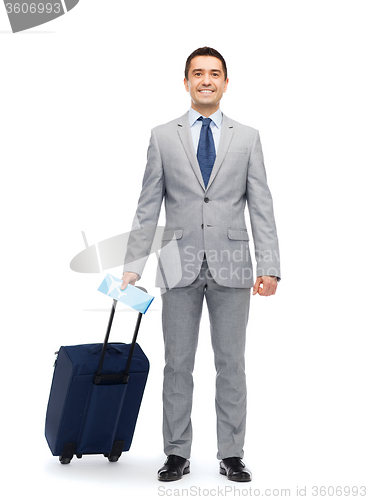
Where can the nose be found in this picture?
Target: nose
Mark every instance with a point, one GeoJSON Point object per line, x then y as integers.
{"type": "Point", "coordinates": [206, 79]}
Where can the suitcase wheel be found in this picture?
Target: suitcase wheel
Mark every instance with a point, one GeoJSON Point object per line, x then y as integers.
{"type": "Point", "coordinates": [116, 451]}
{"type": "Point", "coordinates": [79, 455]}
{"type": "Point", "coordinates": [68, 452]}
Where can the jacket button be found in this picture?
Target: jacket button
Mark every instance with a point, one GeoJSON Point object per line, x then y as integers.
{"type": "Point", "coordinates": [206, 200]}
{"type": "Point", "coordinates": [202, 226]}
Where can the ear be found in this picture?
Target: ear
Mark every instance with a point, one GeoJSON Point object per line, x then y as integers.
{"type": "Point", "coordinates": [225, 85]}
{"type": "Point", "coordinates": [186, 85]}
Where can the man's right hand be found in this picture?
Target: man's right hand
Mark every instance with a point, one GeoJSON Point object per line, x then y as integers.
{"type": "Point", "coordinates": [128, 279]}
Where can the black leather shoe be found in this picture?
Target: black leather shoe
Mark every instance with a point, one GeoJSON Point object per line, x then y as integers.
{"type": "Point", "coordinates": [235, 470]}
{"type": "Point", "coordinates": [173, 468]}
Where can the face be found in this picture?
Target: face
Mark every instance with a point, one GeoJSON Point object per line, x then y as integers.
{"type": "Point", "coordinates": [206, 84]}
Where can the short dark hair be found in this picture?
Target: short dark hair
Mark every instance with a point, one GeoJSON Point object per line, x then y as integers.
{"type": "Point", "coordinates": [205, 51]}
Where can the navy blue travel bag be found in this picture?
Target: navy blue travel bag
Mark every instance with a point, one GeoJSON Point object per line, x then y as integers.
{"type": "Point", "coordinates": [95, 397]}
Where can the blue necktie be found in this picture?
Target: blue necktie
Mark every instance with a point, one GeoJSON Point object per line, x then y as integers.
{"type": "Point", "coordinates": [206, 152]}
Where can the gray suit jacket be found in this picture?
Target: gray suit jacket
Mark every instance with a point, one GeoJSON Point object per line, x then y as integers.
{"type": "Point", "coordinates": [200, 219]}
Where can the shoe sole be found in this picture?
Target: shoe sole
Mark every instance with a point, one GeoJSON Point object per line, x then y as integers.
{"type": "Point", "coordinates": [185, 471]}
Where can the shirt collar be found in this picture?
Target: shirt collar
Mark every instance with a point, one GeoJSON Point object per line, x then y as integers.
{"type": "Point", "coordinates": [215, 117]}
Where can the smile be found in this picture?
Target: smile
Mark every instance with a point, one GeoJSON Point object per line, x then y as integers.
{"type": "Point", "coordinates": [203, 91]}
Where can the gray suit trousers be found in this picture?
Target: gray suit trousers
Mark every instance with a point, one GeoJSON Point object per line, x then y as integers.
{"type": "Point", "coordinates": [228, 313]}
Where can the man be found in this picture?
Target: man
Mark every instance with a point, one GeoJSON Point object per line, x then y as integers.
{"type": "Point", "coordinates": [206, 167]}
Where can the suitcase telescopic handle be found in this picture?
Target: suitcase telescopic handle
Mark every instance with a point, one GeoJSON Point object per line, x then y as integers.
{"type": "Point", "coordinates": [125, 376]}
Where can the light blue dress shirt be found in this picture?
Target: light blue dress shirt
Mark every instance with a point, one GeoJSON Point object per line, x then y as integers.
{"type": "Point", "coordinates": [195, 127]}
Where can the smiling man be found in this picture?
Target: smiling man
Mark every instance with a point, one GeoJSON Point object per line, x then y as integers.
{"type": "Point", "coordinates": [207, 167]}
{"type": "Point", "coordinates": [206, 81]}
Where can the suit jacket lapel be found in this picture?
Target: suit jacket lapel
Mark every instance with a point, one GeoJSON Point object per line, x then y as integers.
{"type": "Point", "coordinates": [227, 132]}
{"type": "Point", "coordinates": [186, 139]}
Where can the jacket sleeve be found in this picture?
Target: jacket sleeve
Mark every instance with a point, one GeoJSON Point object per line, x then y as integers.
{"type": "Point", "coordinates": [261, 214]}
{"type": "Point", "coordinates": [148, 211]}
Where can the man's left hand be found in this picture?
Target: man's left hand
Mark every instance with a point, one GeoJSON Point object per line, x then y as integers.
{"type": "Point", "coordinates": [265, 285]}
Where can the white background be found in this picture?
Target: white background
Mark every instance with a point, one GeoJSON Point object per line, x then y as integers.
{"type": "Point", "coordinates": [78, 99]}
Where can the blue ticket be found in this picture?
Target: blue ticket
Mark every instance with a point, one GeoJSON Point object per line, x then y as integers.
{"type": "Point", "coordinates": [130, 296]}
